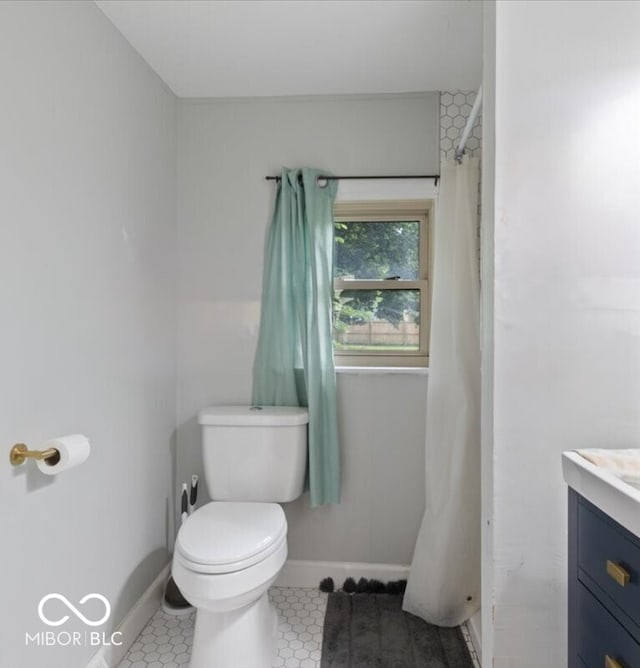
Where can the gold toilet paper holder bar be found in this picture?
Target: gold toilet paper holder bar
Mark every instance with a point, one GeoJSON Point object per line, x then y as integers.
{"type": "Point", "coordinates": [20, 453]}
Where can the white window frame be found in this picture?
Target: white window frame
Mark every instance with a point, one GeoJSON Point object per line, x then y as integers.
{"type": "Point", "coordinates": [398, 210]}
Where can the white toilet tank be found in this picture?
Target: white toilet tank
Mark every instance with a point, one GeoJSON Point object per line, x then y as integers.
{"type": "Point", "coordinates": [254, 453]}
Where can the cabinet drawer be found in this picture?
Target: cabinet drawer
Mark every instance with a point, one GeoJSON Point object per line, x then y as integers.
{"type": "Point", "coordinates": [610, 557]}
{"type": "Point", "coordinates": [600, 635]}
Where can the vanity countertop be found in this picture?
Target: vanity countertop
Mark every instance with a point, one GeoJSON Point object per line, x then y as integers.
{"type": "Point", "coordinates": [618, 499]}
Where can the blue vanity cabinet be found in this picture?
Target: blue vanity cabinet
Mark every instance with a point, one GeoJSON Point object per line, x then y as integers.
{"type": "Point", "coordinates": [604, 589]}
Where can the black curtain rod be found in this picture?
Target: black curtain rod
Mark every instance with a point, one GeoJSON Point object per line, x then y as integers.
{"type": "Point", "coordinates": [435, 177]}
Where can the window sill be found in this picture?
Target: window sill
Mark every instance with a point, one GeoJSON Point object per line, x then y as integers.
{"type": "Point", "coordinates": [365, 370]}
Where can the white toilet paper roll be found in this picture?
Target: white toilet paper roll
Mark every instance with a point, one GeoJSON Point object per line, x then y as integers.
{"type": "Point", "coordinates": [73, 449]}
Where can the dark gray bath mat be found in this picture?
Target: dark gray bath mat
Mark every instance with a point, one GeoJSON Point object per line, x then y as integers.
{"type": "Point", "coordinates": [372, 631]}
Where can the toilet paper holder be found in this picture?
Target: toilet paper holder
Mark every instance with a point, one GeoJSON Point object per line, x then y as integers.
{"type": "Point", "coordinates": [19, 454]}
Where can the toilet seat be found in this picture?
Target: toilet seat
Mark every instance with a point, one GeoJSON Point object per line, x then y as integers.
{"type": "Point", "coordinates": [225, 537]}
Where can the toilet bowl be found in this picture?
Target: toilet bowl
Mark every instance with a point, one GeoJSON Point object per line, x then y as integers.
{"type": "Point", "coordinates": [227, 556]}
{"type": "Point", "coordinates": [229, 552]}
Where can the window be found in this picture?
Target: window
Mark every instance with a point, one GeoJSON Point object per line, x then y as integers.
{"type": "Point", "coordinates": [381, 283]}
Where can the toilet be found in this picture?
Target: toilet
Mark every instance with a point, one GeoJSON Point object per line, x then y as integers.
{"type": "Point", "coordinates": [231, 550]}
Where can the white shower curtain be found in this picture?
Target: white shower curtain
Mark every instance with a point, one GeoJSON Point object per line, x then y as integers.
{"type": "Point", "coordinates": [444, 581]}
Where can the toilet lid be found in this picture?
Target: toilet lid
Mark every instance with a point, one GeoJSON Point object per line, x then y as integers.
{"type": "Point", "coordinates": [226, 536]}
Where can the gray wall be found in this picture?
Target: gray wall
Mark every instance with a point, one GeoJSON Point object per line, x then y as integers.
{"type": "Point", "coordinates": [87, 294]}
{"type": "Point", "coordinates": [225, 149]}
{"type": "Point", "coordinates": [382, 427]}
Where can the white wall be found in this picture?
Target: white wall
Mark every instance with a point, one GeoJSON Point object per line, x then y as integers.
{"type": "Point", "coordinates": [567, 291]}
{"type": "Point", "coordinates": [487, 269]}
{"type": "Point", "coordinates": [225, 149]}
{"type": "Point", "coordinates": [87, 343]}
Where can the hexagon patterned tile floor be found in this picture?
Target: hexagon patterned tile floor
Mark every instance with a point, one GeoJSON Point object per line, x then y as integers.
{"type": "Point", "coordinates": [165, 642]}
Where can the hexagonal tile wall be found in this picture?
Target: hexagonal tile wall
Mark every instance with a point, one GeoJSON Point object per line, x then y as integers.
{"type": "Point", "coordinates": [455, 109]}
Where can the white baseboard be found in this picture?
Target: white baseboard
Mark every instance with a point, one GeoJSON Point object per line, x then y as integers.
{"type": "Point", "coordinates": [474, 626]}
{"type": "Point", "coordinates": [133, 623]}
{"type": "Point", "coordinates": [299, 573]}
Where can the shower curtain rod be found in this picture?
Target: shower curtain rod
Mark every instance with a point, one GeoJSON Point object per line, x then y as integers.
{"type": "Point", "coordinates": [435, 177]}
{"type": "Point", "coordinates": [467, 128]}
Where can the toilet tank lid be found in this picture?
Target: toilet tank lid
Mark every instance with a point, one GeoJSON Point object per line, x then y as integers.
{"type": "Point", "coordinates": [254, 416]}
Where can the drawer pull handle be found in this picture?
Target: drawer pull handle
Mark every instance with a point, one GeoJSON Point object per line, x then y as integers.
{"type": "Point", "coordinates": [611, 663]}
{"type": "Point", "coordinates": [619, 574]}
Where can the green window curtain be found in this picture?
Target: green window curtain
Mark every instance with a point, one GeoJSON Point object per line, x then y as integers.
{"type": "Point", "coordinates": [294, 359]}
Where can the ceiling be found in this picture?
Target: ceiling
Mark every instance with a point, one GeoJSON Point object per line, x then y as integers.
{"type": "Point", "coordinates": [240, 48]}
